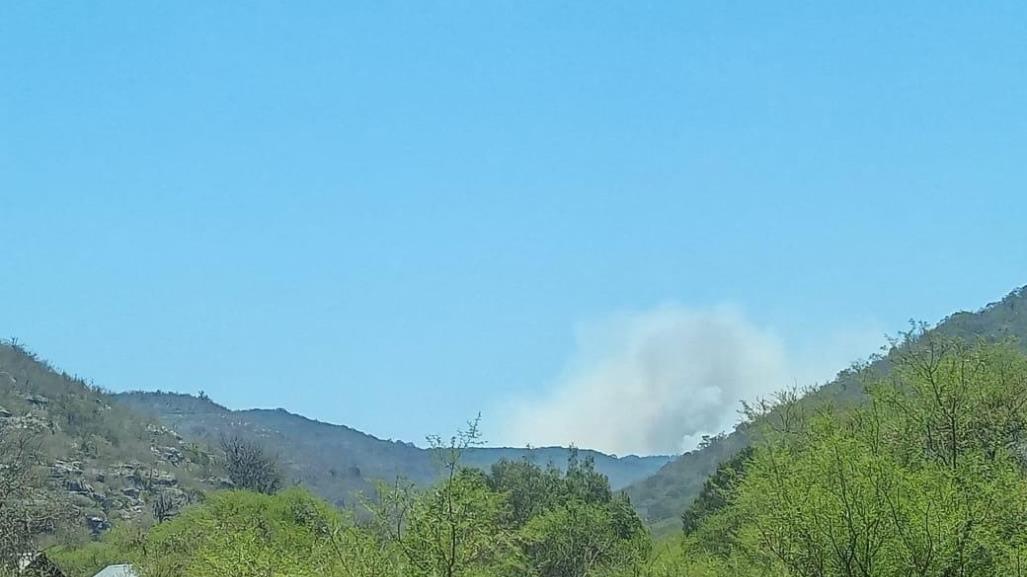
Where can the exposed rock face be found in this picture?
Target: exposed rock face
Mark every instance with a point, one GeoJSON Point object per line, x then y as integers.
{"type": "Point", "coordinates": [164, 479]}
{"type": "Point", "coordinates": [37, 400]}
{"type": "Point", "coordinates": [161, 430]}
{"type": "Point", "coordinates": [220, 482]}
{"type": "Point", "coordinates": [171, 455]}
{"type": "Point", "coordinates": [104, 462]}
{"type": "Point", "coordinates": [97, 524]}
{"type": "Point", "coordinates": [63, 469]}
{"type": "Point", "coordinates": [130, 488]}
{"type": "Point", "coordinates": [29, 423]}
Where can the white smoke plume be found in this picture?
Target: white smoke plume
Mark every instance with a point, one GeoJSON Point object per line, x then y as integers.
{"type": "Point", "coordinates": [656, 381]}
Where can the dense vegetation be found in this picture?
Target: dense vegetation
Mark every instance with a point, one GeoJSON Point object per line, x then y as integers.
{"type": "Point", "coordinates": [517, 519]}
{"type": "Point", "coordinates": [927, 479]}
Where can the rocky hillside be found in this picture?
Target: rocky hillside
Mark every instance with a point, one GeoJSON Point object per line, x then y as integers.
{"type": "Point", "coordinates": [104, 460]}
{"type": "Point", "coordinates": [339, 462]}
{"type": "Point", "coordinates": [663, 497]}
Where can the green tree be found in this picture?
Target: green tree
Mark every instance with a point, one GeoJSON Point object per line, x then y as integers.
{"type": "Point", "coordinates": [529, 489]}
{"type": "Point", "coordinates": [456, 528]}
{"type": "Point", "coordinates": [718, 491]}
{"type": "Point", "coordinates": [246, 534]}
{"type": "Point", "coordinates": [926, 480]}
{"type": "Point", "coordinates": [570, 524]}
{"type": "Point", "coordinates": [579, 539]}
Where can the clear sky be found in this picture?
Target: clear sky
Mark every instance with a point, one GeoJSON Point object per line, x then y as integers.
{"type": "Point", "coordinates": [393, 215]}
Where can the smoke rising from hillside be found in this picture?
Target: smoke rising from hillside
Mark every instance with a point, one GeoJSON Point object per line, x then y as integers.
{"type": "Point", "coordinates": [656, 381]}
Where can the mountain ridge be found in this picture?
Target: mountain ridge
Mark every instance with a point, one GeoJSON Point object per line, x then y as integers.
{"type": "Point", "coordinates": [342, 463]}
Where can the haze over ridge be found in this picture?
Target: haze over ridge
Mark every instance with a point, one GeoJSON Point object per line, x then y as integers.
{"type": "Point", "coordinates": [655, 381]}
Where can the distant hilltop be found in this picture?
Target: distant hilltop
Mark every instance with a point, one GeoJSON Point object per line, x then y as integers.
{"type": "Point", "coordinates": [340, 462]}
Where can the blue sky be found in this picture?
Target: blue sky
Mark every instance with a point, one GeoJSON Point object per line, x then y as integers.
{"type": "Point", "coordinates": [395, 214]}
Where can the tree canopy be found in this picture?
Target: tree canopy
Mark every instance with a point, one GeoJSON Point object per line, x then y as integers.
{"type": "Point", "coordinates": [927, 479]}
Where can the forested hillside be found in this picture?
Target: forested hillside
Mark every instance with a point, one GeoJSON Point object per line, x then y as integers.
{"type": "Point", "coordinates": [340, 463]}
{"type": "Point", "coordinates": [663, 497]}
{"type": "Point", "coordinates": [927, 477]}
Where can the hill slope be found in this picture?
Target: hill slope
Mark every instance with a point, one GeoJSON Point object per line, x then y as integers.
{"type": "Point", "coordinates": [106, 461]}
{"type": "Point", "coordinates": [337, 461]}
{"type": "Point", "coordinates": [663, 497]}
